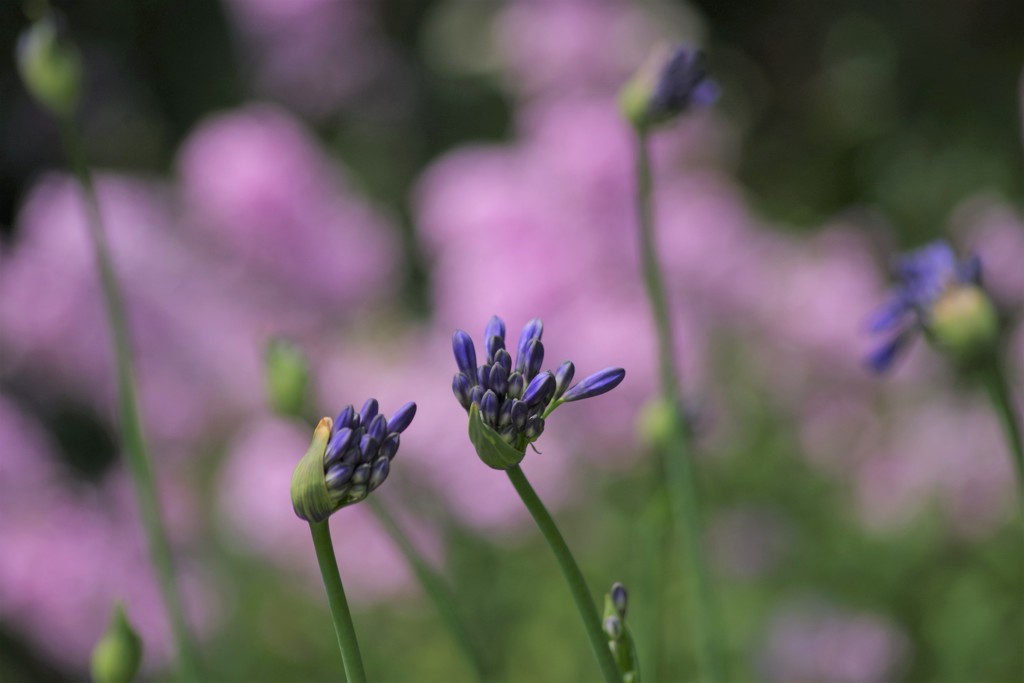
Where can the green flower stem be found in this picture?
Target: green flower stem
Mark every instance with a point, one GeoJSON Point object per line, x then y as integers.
{"type": "Point", "coordinates": [676, 459]}
{"type": "Point", "coordinates": [136, 451]}
{"type": "Point", "coordinates": [343, 627]}
{"type": "Point", "coordinates": [1007, 410]}
{"type": "Point", "coordinates": [573, 576]}
{"type": "Point", "coordinates": [433, 585]}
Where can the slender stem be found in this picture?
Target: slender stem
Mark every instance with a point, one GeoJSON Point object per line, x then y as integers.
{"type": "Point", "coordinates": [1007, 410]}
{"type": "Point", "coordinates": [571, 572]}
{"type": "Point", "coordinates": [679, 475]}
{"type": "Point", "coordinates": [343, 627]}
{"type": "Point", "coordinates": [136, 452]}
{"type": "Point", "coordinates": [433, 585]}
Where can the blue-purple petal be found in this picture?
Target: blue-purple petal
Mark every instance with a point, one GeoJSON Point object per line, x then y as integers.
{"type": "Point", "coordinates": [596, 384]}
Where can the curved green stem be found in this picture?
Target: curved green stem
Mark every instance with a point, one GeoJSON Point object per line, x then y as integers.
{"type": "Point", "coordinates": [433, 585]}
{"type": "Point", "coordinates": [571, 572]}
{"type": "Point", "coordinates": [136, 452]}
{"type": "Point", "coordinates": [1006, 408]}
{"type": "Point", "coordinates": [343, 627]}
{"type": "Point", "coordinates": [676, 459]}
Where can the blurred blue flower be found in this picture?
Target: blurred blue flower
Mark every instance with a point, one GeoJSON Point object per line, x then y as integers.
{"type": "Point", "coordinates": [935, 295]}
{"type": "Point", "coordinates": [515, 397]}
{"type": "Point", "coordinates": [670, 83]}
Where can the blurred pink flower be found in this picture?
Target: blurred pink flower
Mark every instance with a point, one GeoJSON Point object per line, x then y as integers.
{"type": "Point", "coordinates": [69, 550]}
{"type": "Point", "coordinates": [311, 54]}
{"type": "Point", "coordinates": [277, 212]}
{"type": "Point", "coordinates": [815, 641]}
{"type": "Point", "coordinates": [749, 541]}
{"type": "Point", "coordinates": [995, 231]}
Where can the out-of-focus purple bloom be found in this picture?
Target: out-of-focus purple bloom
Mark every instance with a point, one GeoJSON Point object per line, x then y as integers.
{"type": "Point", "coordinates": [684, 82]}
{"type": "Point", "coordinates": [925, 276]}
{"type": "Point", "coordinates": [522, 410]}
{"type": "Point", "coordinates": [813, 641]}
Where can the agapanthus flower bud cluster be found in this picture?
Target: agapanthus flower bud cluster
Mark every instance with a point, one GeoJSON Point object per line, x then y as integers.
{"type": "Point", "coordinates": [943, 299]}
{"type": "Point", "coordinates": [513, 395]}
{"type": "Point", "coordinates": [350, 456]}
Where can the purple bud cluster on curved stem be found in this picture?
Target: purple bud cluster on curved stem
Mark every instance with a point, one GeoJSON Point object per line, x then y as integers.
{"type": "Point", "coordinates": [361, 448]}
{"type": "Point", "coordinates": [514, 395]}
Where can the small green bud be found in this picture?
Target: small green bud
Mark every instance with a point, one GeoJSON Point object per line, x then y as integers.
{"type": "Point", "coordinates": [655, 424]}
{"type": "Point", "coordinates": [50, 67]}
{"type": "Point", "coordinates": [286, 371]}
{"type": "Point", "coordinates": [490, 447]}
{"type": "Point", "coordinates": [668, 84]}
{"type": "Point", "coordinates": [310, 498]}
{"type": "Point", "coordinates": [963, 323]}
{"type": "Point", "coordinates": [116, 658]}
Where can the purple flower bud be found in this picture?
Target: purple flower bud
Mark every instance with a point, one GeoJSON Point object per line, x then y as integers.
{"type": "Point", "coordinates": [595, 385]}
{"type": "Point", "coordinates": [379, 472]}
{"type": "Point", "coordinates": [378, 428]}
{"type": "Point", "coordinates": [495, 328]}
{"type": "Point", "coordinates": [613, 627]}
{"type": "Point", "coordinates": [507, 433]}
{"type": "Point", "coordinates": [345, 418]}
{"type": "Point", "coordinates": [520, 413]}
{"type": "Point", "coordinates": [534, 427]}
{"type": "Point", "coordinates": [341, 440]}
{"type": "Point", "coordinates": [352, 456]}
{"type": "Point", "coordinates": [483, 374]}
{"type": "Point", "coordinates": [368, 446]}
{"type": "Point", "coordinates": [505, 414]}
{"type": "Point", "coordinates": [498, 380]}
{"type": "Point", "coordinates": [465, 354]}
{"type": "Point", "coordinates": [361, 475]}
{"type": "Point", "coordinates": [534, 358]}
{"type": "Point", "coordinates": [619, 598]}
{"type": "Point", "coordinates": [542, 384]}
{"type": "Point", "coordinates": [563, 377]}
{"type": "Point", "coordinates": [338, 475]}
{"type": "Point", "coordinates": [532, 330]}
{"type": "Point", "coordinates": [504, 359]}
{"type": "Point", "coordinates": [462, 389]}
{"type": "Point", "coordinates": [402, 418]}
{"type": "Point", "coordinates": [516, 385]}
{"type": "Point", "coordinates": [477, 395]}
{"type": "Point", "coordinates": [369, 411]}
{"type": "Point", "coordinates": [389, 446]}
{"type": "Point", "coordinates": [494, 345]}
{"type": "Point", "coordinates": [489, 408]}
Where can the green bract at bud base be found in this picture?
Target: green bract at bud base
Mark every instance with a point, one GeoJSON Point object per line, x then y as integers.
{"type": "Point", "coordinates": [635, 96]}
{"type": "Point", "coordinates": [310, 498]}
{"type": "Point", "coordinates": [286, 371]}
{"type": "Point", "coordinates": [620, 640]}
{"type": "Point", "coordinates": [489, 445]}
{"type": "Point", "coordinates": [116, 658]}
{"type": "Point", "coordinates": [50, 68]}
{"type": "Point", "coordinates": [964, 323]}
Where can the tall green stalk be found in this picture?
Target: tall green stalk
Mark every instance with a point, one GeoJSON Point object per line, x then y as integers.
{"type": "Point", "coordinates": [136, 452]}
{"type": "Point", "coordinates": [343, 628]}
{"type": "Point", "coordinates": [434, 586]}
{"type": "Point", "coordinates": [1008, 412]}
{"type": "Point", "coordinates": [571, 571]}
{"type": "Point", "coordinates": [676, 458]}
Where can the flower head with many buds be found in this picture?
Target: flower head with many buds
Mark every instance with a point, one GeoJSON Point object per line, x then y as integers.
{"type": "Point", "coordinates": [943, 299]}
{"type": "Point", "coordinates": [670, 83]}
{"type": "Point", "coordinates": [349, 457]}
{"type": "Point", "coordinates": [508, 400]}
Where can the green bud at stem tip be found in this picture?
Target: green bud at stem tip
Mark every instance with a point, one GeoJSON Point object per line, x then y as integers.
{"type": "Point", "coordinates": [963, 323]}
{"type": "Point", "coordinates": [118, 654]}
{"type": "Point", "coordinates": [286, 372]}
{"type": "Point", "coordinates": [50, 67]}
